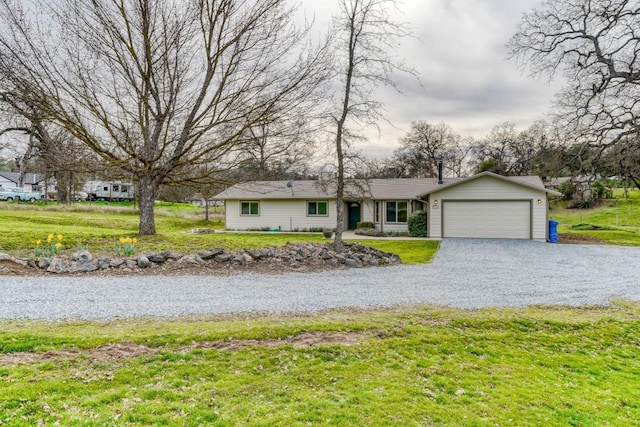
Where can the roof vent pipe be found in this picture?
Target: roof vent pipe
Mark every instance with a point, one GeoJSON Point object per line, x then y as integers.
{"type": "Point", "coordinates": [440, 172]}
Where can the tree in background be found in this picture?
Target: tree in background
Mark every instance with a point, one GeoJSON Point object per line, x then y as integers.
{"type": "Point", "coordinates": [595, 45]}
{"type": "Point", "coordinates": [44, 148]}
{"type": "Point", "coordinates": [155, 87]}
{"type": "Point", "coordinates": [366, 39]}
{"type": "Point", "coordinates": [425, 145]}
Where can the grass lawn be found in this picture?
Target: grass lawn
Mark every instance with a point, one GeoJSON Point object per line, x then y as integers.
{"type": "Point", "coordinates": [615, 221]}
{"type": "Point", "coordinates": [416, 366]}
{"type": "Point", "coordinates": [97, 227]}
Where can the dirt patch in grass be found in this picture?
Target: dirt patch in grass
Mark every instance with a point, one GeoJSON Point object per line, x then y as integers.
{"type": "Point", "coordinates": [127, 350]}
{"type": "Point", "coordinates": [10, 268]}
{"type": "Point", "coordinates": [580, 239]}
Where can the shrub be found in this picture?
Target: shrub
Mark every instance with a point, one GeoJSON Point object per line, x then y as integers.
{"type": "Point", "coordinates": [378, 233]}
{"type": "Point", "coordinates": [601, 191]}
{"type": "Point", "coordinates": [365, 224]}
{"type": "Point", "coordinates": [417, 224]}
{"type": "Point", "coordinates": [327, 233]}
{"type": "Point", "coordinates": [568, 189]}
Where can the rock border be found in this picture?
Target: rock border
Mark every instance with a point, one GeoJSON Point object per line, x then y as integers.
{"type": "Point", "coordinates": [299, 256]}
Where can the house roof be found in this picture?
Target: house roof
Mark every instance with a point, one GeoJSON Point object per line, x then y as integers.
{"type": "Point", "coordinates": [526, 181]}
{"type": "Point", "coordinates": [29, 178]}
{"type": "Point", "coordinates": [379, 189]}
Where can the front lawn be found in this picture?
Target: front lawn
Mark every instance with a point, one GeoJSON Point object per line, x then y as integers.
{"type": "Point", "coordinates": [416, 366]}
{"type": "Point", "coordinates": [613, 221]}
{"type": "Point", "coordinates": [98, 228]}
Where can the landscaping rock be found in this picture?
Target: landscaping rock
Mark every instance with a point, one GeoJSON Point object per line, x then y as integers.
{"type": "Point", "coordinates": [208, 254]}
{"type": "Point", "coordinates": [174, 256]}
{"type": "Point", "coordinates": [82, 256]}
{"type": "Point", "coordinates": [83, 265]}
{"type": "Point", "coordinates": [157, 258]}
{"type": "Point", "coordinates": [115, 263]}
{"type": "Point", "coordinates": [196, 260]}
{"type": "Point", "coordinates": [44, 263]}
{"type": "Point", "coordinates": [143, 261]}
{"type": "Point", "coordinates": [223, 258]}
{"type": "Point", "coordinates": [257, 253]}
{"type": "Point", "coordinates": [104, 262]}
{"type": "Point", "coordinates": [300, 256]}
{"type": "Point", "coordinates": [57, 266]}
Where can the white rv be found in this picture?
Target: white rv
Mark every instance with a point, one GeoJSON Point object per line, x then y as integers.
{"type": "Point", "coordinates": [108, 190]}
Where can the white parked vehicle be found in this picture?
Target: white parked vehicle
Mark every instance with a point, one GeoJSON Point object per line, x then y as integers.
{"type": "Point", "coordinates": [108, 190]}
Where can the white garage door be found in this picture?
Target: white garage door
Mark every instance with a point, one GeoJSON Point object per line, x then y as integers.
{"type": "Point", "coordinates": [487, 219]}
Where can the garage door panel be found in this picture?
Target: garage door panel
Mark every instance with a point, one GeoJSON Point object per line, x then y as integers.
{"type": "Point", "coordinates": [487, 219]}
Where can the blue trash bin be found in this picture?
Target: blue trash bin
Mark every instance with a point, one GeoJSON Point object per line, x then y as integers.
{"type": "Point", "coordinates": [553, 231]}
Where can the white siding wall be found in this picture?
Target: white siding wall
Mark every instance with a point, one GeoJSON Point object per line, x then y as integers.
{"type": "Point", "coordinates": [490, 188]}
{"type": "Point", "coordinates": [368, 211]}
{"type": "Point", "coordinates": [286, 214]}
{"type": "Point", "coordinates": [5, 183]}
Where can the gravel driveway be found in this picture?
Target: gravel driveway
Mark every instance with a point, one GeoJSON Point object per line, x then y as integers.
{"type": "Point", "coordinates": [466, 273]}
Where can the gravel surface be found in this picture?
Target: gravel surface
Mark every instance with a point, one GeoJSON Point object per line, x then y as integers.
{"type": "Point", "coordinates": [466, 273]}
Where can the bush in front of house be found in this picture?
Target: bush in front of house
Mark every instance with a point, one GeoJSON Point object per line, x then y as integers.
{"type": "Point", "coordinates": [378, 233]}
{"type": "Point", "coordinates": [417, 224]}
{"type": "Point", "coordinates": [365, 224]}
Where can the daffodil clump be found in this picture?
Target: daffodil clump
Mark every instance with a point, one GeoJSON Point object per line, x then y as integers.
{"type": "Point", "coordinates": [51, 246]}
{"type": "Point", "coordinates": [126, 246]}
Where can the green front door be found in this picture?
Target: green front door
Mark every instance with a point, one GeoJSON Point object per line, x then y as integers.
{"type": "Point", "coordinates": [353, 215]}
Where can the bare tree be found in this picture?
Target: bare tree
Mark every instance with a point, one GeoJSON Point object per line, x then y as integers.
{"type": "Point", "coordinates": [595, 45]}
{"type": "Point", "coordinates": [48, 148]}
{"type": "Point", "coordinates": [274, 146]}
{"type": "Point", "coordinates": [425, 145]}
{"type": "Point", "coordinates": [155, 87]}
{"type": "Point", "coordinates": [367, 38]}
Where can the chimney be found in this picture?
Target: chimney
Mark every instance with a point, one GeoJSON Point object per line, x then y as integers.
{"type": "Point", "coordinates": [440, 172]}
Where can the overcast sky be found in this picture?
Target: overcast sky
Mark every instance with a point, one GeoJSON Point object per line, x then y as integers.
{"type": "Point", "coordinates": [460, 53]}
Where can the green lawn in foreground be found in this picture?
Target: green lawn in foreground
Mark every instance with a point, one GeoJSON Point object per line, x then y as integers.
{"type": "Point", "coordinates": [615, 221]}
{"type": "Point", "coordinates": [98, 228]}
{"type": "Point", "coordinates": [415, 366]}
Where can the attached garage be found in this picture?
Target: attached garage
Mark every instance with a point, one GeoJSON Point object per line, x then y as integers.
{"type": "Point", "coordinates": [489, 206]}
{"type": "Point", "coordinates": [507, 219]}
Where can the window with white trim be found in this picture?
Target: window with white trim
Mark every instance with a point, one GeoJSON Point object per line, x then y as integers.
{"type": "Point", "coordinates": [251, 208]}
{"type": "Point", "coordinates": [396, 211]}
{"type": "Point", "coordinates": [317, 208]}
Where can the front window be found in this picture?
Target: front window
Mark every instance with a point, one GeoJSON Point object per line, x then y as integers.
{"type": "Point", "coordinates": [249, 208]}
{"type": "Point", "coordinates": [317, 208]}
{"type": "Point", "coordinates": [397, 211]}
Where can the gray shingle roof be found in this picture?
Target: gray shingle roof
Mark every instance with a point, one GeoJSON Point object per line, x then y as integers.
{"type": "Point", "coordinates": [380, 189]}
{"type": "Point", "coordinates": [29, 178]}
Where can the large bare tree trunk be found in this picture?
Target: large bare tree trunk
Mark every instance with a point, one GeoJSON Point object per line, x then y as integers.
{"type": "Point", "coordinates": [148, 190]}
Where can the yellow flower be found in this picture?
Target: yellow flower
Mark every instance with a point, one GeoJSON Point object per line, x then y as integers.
{"type": "Point", "coordinates": [38, 242]}
{"type": "Point", "coordinates": [134, 240]}
{"type": "Point", "coordinates": [49, 238]}
{"type": "Point", "coordinates": [58, 245]}
{"type": "Point", "coordinates": [59, 236]}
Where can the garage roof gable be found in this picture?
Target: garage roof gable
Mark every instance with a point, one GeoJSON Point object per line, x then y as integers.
{"type": "Point", "coordinates": [533, 182]}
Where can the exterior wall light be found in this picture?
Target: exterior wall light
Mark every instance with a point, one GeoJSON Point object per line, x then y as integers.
{"type": "Point", "coordinates": [539, 201]}
{"type": "Point", "coordinates": [435, 203]}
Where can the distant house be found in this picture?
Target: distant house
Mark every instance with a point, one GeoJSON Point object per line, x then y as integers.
{"type": "Point", "coordinates": [33, 182]}
{"type": "Point", "coordinates": [484, 205]}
